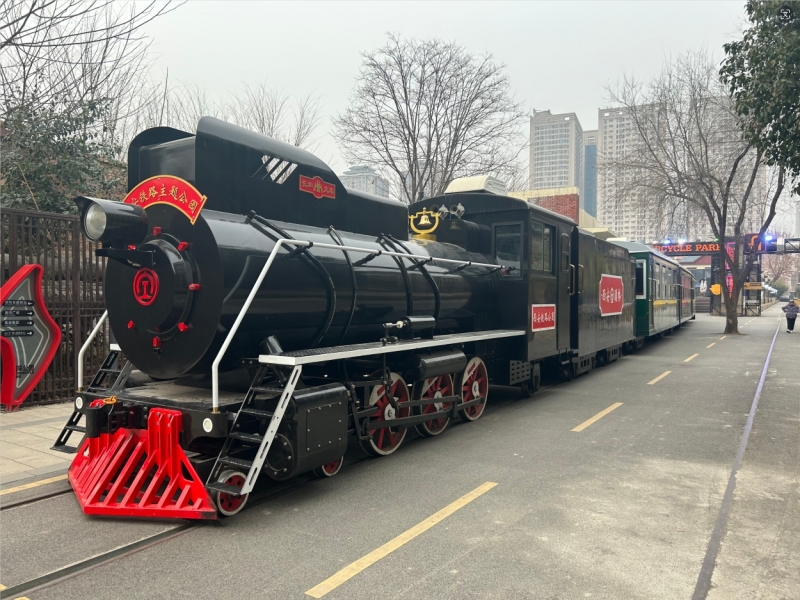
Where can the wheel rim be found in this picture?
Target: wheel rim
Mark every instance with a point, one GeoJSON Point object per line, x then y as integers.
{"type": "Point", "coordinates": [435, 387]}
{"type": "Point", "coordinates": [228, 504]}
{"type": "Point", "coordinates": [388, 439]}
{"type": "Point", "coordinates": [332, 468]}
{"type": "Point", "coordinates": [475, 383]}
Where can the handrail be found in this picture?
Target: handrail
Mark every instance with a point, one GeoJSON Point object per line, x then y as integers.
{"type": "Point", "coordinates": [85, 347]}
{"type": "Point", "coordinates": [245, 307]}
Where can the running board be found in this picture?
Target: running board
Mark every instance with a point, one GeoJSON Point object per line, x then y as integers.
{"type": "Point", "coordinates": [317, 355]}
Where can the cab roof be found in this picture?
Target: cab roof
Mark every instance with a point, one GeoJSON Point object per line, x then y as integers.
{"type": "Point", "coordinates": [482, 203]}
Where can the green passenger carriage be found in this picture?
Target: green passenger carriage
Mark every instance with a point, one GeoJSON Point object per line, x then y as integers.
{"type": "Point", "coordinates": [664, 291]}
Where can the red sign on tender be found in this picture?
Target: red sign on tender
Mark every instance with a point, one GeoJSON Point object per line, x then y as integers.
{"type": "Point", "coordinates": [612, 295]}
{"type": "Point", "coordinates": [317, 187]}
{"type": "Point", "coordinates": [543, 317]}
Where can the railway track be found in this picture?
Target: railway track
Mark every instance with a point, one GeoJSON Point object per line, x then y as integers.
{"type": "Point", "coordinates": [81, 566]}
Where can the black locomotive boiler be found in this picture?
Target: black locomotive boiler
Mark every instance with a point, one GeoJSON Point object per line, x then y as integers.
{"type": "Point", "coordinates": [264, 315]}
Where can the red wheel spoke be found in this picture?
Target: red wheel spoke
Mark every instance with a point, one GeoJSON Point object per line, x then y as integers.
{"type": "Point", "coordinates": [379, 443]}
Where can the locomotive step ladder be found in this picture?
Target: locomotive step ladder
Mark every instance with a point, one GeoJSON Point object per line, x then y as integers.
{"type": "Point", "coordinates": [239, 441]}
{"type": "Point", "coordinates": [109, 379]}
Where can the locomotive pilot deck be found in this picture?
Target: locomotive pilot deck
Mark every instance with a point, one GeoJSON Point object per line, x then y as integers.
{"type": "Point", "coordinates": [170, 393]}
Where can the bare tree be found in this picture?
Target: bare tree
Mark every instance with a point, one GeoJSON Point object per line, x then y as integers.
{"type": "Point", "coordinates": [427, 112]}
{"type": "Point", "coordinates": [271, 112]}
{"type": "Point", "coordinates": [31, 24]}
{"type": "Point", "coordinates": [688, 161]}
{"type": "Point", "coordinates": [62, 51]}
{"type": "Point", "coordinates": [65, 55]}
{"type": "Point", "coordinates": [779, 266]}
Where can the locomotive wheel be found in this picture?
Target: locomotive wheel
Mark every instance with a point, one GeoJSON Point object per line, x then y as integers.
{"type": "Point", "coordinates": [435, 387]}
{"type": "Point", "coordinates": [329, 470]}
{"type": "Point", "coordinates": [474, 383]}
{"type": "Point", "coordinates": [228, 504]}
{"type": "Point", "coordinates": [387, 439]}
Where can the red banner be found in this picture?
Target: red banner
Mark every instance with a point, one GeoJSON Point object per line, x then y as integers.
{"type": "Point", "coordinates": [166, 189]}
{"type": "Point", "coordinates": [612, 295]}
{"type": "Point", "coordinates": [543, 317]}
{"type": "Point", "coordinates": [317, 188]}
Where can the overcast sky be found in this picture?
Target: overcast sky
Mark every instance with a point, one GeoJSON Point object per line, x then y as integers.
{"type": "Point", "coordinates": [559, 55]}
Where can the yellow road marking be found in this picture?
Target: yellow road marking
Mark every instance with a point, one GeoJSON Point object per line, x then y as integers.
{"type": "Point", "coordinates": [723, 337]}
{"type": "Point", "coordinates": [2, 587]}
{"type": "Point", "coordinates": [691, 357]}
{"type": "Point", "coordinates": [711, 344]}
{"type": "Point", "coordinates": [597, 417]}
{"type": "Point", "coordinates": [28, 486]}
{"type": "Point", "coordinates": [356, 567]}
{"type": "Point", "coordinates": [659, 378]}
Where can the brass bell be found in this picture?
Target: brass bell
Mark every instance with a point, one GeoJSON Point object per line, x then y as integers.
{"type": "Point", "coordinates": [424, 220]}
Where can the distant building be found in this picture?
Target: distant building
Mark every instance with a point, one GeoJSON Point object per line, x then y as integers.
{"type": "Point", "coordinates": [627, 213]}
{"type": "Point", "coordinates": [556, 155]}
{"type": "Point", "coordinates": [365, 179]}
{"type": "Point", "coordinates": [564, 201]}
{"type": "Point", "coordinates": [590, 172]}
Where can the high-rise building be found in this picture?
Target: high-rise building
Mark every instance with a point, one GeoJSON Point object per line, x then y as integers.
{"type": "Point", "coordinates": [621, 212]}
{"type": "Point", "coordinates": [628, 213]}
{"type": "Point", "coordinates": [556, 159]}
{"type": "Point", "coordinates": [365, 179]}
{"type": "Point", "coordinates": [590, 172]}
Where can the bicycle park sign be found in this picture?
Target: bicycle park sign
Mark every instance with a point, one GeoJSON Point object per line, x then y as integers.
{"type": "Point", "coordinates": [753, 243]}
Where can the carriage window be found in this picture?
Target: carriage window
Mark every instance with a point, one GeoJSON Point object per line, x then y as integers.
{"type": "Point", "coordinates": [536, 246]}
{"type": "Point", "coordinates": [640, 275]}
{"type": "Point", "coordinates": [508, 247]}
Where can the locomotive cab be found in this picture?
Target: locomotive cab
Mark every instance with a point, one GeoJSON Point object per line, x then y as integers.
{"type": "Point", "coordinates": [533, 244]}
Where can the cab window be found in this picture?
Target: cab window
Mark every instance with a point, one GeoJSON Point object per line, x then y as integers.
{"type": "Point", "coordinates": [508, 248]}
{"type": "Point", "coordinates": [564, 253]}
{"type": "Point", "coordinates": [542, 247]}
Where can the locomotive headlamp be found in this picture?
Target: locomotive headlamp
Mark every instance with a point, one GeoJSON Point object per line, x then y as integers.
{"type": "Point", "coordinates": [94, 222]}
{"type": "Point", "coordinates": [115, 222]}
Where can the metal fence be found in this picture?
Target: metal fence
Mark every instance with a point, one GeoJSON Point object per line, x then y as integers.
{"type": "Point", "coordinates": [72, 287]}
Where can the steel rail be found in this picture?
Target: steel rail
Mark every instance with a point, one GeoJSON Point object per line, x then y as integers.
{"type": "Point", "coordinates": [305, 244]}
{"type": "Point", "coordinates": [82, 566]}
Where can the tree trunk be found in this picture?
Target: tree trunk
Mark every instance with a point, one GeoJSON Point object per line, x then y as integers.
{"type": "Point", "coordinates": [731, 307]}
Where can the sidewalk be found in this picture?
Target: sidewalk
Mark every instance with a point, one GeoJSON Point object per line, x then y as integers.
{"type": "Point", "coordinates": [25, 439]}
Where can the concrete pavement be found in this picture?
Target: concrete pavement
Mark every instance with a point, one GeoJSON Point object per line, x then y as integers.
{"type": "Point", "coordinates": [26, 436]}
{"type": "Point", "coordinates": [623, 508]}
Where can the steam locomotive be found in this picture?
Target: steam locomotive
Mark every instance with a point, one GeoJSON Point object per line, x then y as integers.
{"type": "Point", "coordinates": [263, 315]}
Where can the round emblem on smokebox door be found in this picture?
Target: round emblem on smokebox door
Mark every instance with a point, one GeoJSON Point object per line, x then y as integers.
{"type": "Point", "coordinates": [145, 286]}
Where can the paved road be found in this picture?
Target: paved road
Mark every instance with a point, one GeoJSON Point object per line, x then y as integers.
{"type": "Point", "coordinates": [623, 508]}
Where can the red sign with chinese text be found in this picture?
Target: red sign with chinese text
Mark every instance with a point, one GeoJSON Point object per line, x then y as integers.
{"type": "Point", "coordinates": [166, 189]}
{"type": "Point", "coordinates": [543, 317]}
{"type": "Point", "coordinates": [30, 336]}
{"type": "Point", "coordinates": [317, 188]}
{"type": "Point", "coordinates": [612, 295]}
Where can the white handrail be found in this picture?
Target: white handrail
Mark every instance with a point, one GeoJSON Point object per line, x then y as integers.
{"type": "Point", "coordinates": [278, 244]}
{"type": "Point", "coordinates": [85, 347]}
